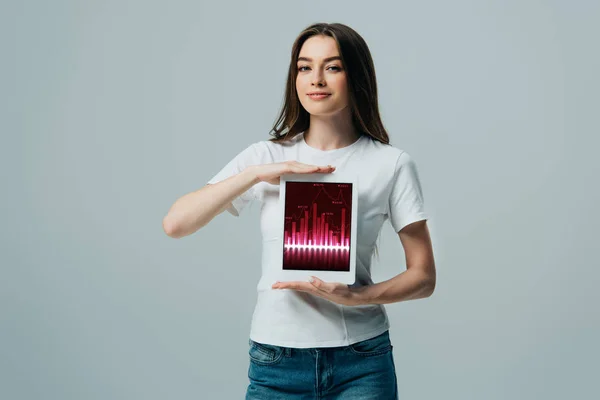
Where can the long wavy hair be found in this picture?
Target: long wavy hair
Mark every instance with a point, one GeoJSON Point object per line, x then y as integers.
{"type": "Point", "coordinates": [362, 87]}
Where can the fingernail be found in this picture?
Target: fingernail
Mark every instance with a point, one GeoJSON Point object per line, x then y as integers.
{"type": "Point", "coordinates": [311, 279]}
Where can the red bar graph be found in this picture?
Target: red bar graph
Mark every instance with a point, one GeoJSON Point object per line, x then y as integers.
{"type": "Point", "coordinates": [317, 226]}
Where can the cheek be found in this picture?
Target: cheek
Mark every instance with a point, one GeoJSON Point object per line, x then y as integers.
{"type": "Point", "coordinates": [339, 85]}
{"type": "Point", "coordinates": [299, 88]}
{"type": "Point", "coordinates": [341, 88]}
{"type": "Point", "coordinates": [302, 81]}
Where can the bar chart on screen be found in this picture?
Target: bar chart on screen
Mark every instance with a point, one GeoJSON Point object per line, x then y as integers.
{"type": "Point", "coordinates": [317, 226]}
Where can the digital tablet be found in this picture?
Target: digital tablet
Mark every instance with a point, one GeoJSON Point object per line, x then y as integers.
{"type": "Point", "coordinates": [318, 227]}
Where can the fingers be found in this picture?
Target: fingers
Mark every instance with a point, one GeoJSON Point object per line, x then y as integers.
{"type": "Point", "coordinates": [313, 284]}
{"type": "Point", "coordinates": [307, 168]}
{"type": "Point", "coordinates": [295, 285]}
{"type": "Point", "coordinates": [319, 284]}
{"type": "Point", "coordinates": [333, 291]}
{"type": "Point", "coordinates": [326, 169]}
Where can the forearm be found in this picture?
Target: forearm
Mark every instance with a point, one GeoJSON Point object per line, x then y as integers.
{"type": "Point", "coordinates": [196, 209]}
{"type": "Point", "coordinates": [409, 285]}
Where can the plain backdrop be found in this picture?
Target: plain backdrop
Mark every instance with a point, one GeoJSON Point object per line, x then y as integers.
{"type": "Point", "coordinates": [111, 110]}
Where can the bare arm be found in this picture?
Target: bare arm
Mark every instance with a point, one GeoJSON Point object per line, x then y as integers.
{"type": "Point", "coordinates": [196, 209]}
{"type": "Point", "coordinates": [418, 281]}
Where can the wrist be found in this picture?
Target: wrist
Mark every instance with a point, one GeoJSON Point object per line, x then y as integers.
{"type": "Point", "coordinates": [250, 173]}
{"type": "Point", "coordinates": [362, 295]}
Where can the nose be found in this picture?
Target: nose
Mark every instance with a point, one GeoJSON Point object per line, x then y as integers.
{"type": "Point", "coordinates": [317, 79]}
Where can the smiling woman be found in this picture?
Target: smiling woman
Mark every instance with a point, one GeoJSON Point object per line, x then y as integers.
{"type": "Point", "coordinates": [314, 338]}
{"type": "Point", "coordinates": [317, 69]}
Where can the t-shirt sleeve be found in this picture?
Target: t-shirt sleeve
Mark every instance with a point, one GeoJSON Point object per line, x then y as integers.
{"type": "Point", "coordinates": [406, 204]}
{"type": "Point", "coordinates": [249, 156]}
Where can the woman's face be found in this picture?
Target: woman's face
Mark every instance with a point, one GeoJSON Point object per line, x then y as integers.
{"type": "Point", "coordinates": [321, 70]}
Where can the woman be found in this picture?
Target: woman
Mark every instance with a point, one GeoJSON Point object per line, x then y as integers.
{"type": "Point", "coordinates": [316, 339]}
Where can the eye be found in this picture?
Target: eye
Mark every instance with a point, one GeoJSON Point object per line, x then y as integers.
{"type": "Point", "coordinates": [333, 66]}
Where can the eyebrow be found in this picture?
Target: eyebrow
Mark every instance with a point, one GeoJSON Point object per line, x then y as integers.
{"type": "Point", "coordinates": [325, 59]}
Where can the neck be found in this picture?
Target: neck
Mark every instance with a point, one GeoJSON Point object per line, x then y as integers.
{"type": "Point", "coordinates": [330, 132]}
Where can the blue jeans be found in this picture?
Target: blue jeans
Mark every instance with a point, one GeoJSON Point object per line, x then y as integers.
{"type": "Point", "coordinates": [363, 370]}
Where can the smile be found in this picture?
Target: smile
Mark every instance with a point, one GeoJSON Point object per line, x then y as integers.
{"type": "Point", "coordinates": [318, 96]}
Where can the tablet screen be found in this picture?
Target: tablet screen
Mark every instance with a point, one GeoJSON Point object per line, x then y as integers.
{"type": "Point", "coordinates": [317, 225]}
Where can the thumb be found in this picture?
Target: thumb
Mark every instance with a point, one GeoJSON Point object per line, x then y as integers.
{"type": "Point", "coordinates": [318, 283]}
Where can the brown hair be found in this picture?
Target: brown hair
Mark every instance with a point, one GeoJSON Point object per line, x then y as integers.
{"type": "Point", "coordinates": [362, 86]}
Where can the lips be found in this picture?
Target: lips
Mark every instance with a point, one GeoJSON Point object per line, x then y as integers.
{"type": "Point", "coordinates": [318, 95]}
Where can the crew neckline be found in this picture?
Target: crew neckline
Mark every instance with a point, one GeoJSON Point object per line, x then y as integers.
{"type": "Point", "coordinates": [332, 151]}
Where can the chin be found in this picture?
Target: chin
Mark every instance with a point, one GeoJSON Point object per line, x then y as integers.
{"type": "Point", "coordinates": [323, 111]}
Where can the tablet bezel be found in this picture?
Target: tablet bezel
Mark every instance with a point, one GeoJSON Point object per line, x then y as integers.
{"type": "Point", "coordinates": [347, 277]}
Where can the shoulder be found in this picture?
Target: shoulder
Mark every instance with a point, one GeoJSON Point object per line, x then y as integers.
{"type": "Point", "coordinates": [274, 150]}
{"type": "Point", "coordinates": [265, 148]}
{"type": "Point", "coordinates": [259, 152]}
{"type": "Point", "coordinates": [262, 147]}
{"type": "Point", "coordinates": [256, 152]}
{"type": "Point", "coordinates": [391, 155]}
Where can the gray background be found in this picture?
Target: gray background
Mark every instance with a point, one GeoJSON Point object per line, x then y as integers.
{"type": "Point", "coordinates": [111, 110]}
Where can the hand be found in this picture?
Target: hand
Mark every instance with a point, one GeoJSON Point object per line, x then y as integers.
{"type": "Point", "coordinates": [336, 292]}
{"type": "Point", "coordinates": [271, 172]}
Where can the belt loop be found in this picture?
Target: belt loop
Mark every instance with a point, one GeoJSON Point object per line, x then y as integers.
{"type": "Point", "coordinates": [288, 352]}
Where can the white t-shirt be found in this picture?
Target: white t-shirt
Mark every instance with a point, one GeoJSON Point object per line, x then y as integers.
{"type": "Point", "coordinates": [389, 188]}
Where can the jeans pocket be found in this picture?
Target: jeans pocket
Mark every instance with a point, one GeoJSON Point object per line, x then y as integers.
{"type": "Point", "coordinates": [264, 354]}
{"type": "Point", "coordinates": [373, 347]}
